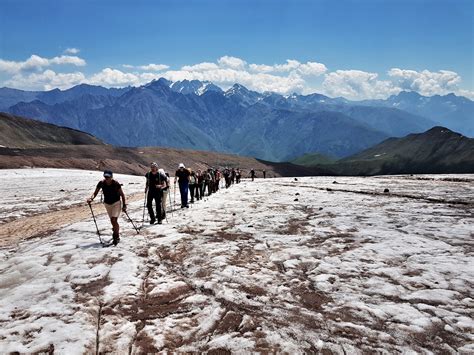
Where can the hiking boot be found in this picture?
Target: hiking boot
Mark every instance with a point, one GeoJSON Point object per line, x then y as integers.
{"type": "Point", "coordinates": [116, 239]}
{"type": "Point", "coordinates": [152, 221]}
{"type": "Point", "coordinates": [160, 222]}
{"type": "Point", "coordinates": [187, 206]}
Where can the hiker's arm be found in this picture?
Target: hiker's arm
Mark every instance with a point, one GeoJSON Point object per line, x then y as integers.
{"type": "Point", "coordinates": [124, 203]}
{"type": "Point", "coordinates": [90, 199]}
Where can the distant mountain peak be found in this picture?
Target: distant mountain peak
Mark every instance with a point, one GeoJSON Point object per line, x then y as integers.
{"type": "Point", "coordinates": [195, 87]}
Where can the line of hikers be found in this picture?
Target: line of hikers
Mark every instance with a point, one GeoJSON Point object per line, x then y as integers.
{"type": "Point", "coordinates": [158, 182]}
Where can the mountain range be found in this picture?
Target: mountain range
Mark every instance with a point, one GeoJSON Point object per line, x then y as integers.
{"type": "Point", "coordinates": [200, 115]}
{"type": "Point", "coordinates": [27, 142]}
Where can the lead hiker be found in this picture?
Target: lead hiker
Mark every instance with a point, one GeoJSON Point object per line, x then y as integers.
{"type": "Point", "coordinates": [112, 191]}
{"type": "Point", "coordinates": [182, 177]}
{"type": "Point", "coordinates": [155, 183]}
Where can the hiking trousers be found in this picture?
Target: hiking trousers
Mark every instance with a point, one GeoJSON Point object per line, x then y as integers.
{"type": "Point", "coordinates": [183, 190]}
{"type": "Point", "coordinates": [154, 196]}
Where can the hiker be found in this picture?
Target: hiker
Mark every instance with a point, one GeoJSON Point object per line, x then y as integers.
{"type": "Point", "coordinates": [192, 185]}
{"type": "Point", "coordinates": [252, 174]}
{"type": "Point", "coordinates": [217, 179]}
{"type": "Point", "coordinates": [155, 183]}
{"type": "Point", "coordinates": [182, 176]}
{"type": "Point", "coordinates": [200, 184]}
{"type": "Point", "coordinates": [165, 192]}
{"type": "Point", "coordinates": [206, 177]}
{"type": "Point", "coordinates": [264, 173]}
{"type": "Point", "coordinates": [237, 176]}
{"type": "Point", "coordinates": [112, 191]}
{"type": "Point", "coordinates": [211, 181]}
{"type": "Point", "coordinates": [227, 177]}
{"type": "Point", "coordinates": [232, 176]}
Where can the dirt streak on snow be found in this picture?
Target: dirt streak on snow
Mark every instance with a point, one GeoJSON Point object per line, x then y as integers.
{"type": "Point", "coordinates": [276, 265]}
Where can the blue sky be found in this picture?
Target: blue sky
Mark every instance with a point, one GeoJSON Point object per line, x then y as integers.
{"type": "Point", "coordinates": [367, 48]}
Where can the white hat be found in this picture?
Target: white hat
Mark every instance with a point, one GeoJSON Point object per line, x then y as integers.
{"type": "Point", "coordinates": [181, 165]}
{"type": "Point", "coordinates": [154, 165]}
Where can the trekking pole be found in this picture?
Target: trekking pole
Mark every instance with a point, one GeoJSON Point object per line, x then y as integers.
{"type": "Point", "coordinates": [143, 219]}
{"type": "Point", "coordinates": [95, 222]}
{"type": "Point", "coordinates": [174, 198]}
{"type": "Point", "coordinates": [171, 206]}
{"type": "Point", "coordinates": [133, 224]}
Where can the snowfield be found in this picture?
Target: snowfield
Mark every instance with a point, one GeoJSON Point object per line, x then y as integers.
{"type": "Point", "coordinates": [321, 264]}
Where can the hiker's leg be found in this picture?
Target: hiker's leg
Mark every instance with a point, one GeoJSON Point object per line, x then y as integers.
{"type": "Point", "coordinates": [115, 225]}
{"type": "Point", "coordinates": [149, 205]}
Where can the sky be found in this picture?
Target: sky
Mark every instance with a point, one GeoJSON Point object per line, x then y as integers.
{"type": "Point", "coordinates": [358, 49]}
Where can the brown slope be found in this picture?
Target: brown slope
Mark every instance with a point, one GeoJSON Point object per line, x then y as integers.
{"type": "Point", "coordinates": [19, 132]}
{"type": "Point", "coordinates": [136, 160]}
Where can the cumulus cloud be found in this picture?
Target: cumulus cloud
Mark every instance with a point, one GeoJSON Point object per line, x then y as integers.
{"type": "Point", "coordinates": [37, 63]}
{"type": "Point", "coordinates": [205, 66]}
{"type": "Point", "coordinates": [46, 80]}
{"type": "Point", "coordinates": [115, 78]}
{"type": "Point", "coordinates": [357, 85]}
{"type": "Point", "coordinates": [262, 68]}
{"type": "Point", "coordinates": [284, 78]}
{"type": "Point", "coordinates": [426, 82]}
{"type": "Point", "coordinates": [231, 62]}
{"type": "Point", "coordinates": [291, 65]}
{"type": "Point", "coordinates": [71, 51]}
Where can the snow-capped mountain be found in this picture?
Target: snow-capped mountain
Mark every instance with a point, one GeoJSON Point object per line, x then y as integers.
{"type": "Point", "coordinates": [194, 87]}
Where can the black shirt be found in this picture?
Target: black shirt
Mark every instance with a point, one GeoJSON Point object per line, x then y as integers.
{"type": "Point", "coordinates": [111, 192]}
{"type": "Point", "coordinates": [182, 175]}
{"type": "Point", "coordinates": [155, 179]}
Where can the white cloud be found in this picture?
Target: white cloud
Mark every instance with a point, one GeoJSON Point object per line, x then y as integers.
{"type": "Point", "coordinates": [71, 51]}
{"type": "Point", "coordinates": [37, 63]}
{"type": "Point", "coordinates": [312, 68]}
{"type": "Point", "coordinates": [262, 68]}
{"type": "Point", "coordinates": [357, 85]}
{"type": "Point", "coordinates": [66, 59]}
{"type": "Point", "coordinates": [426, 82]}
{"type": "Point", "coordinates": [201, 67]}
{"type": "Point", "coordinates": [466, 93]}
{"type": "Point", "coordinates": [154, 67]}
{"type": "Point", "coordinates": [231, 62]}
{"type": "Point", "coordinates": [46, 80]}
{"type": "Point", "coordinates": [284, 78]}
{"type": "Point", "coordinates": [109, 77]}
{"type": "Point", "coordinates": [291, 65]}
{"type": "Point", "coordinates": [281, 78]}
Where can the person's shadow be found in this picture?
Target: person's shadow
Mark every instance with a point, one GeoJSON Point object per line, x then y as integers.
{"type": "Point", "coordinates": [107, 243]}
